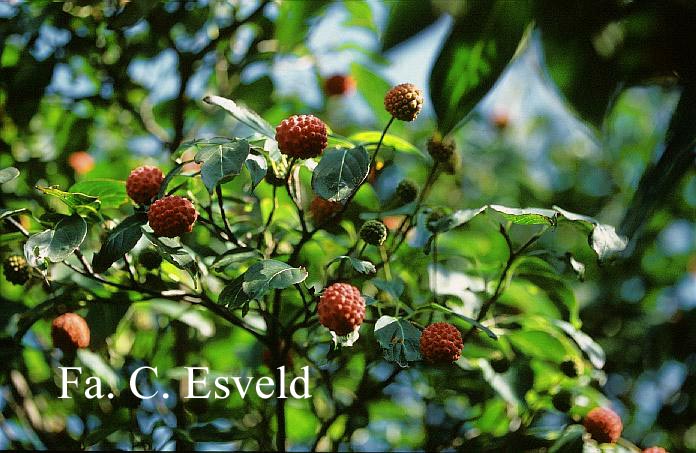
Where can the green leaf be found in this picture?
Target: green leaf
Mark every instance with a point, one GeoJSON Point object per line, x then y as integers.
{"type": "Point", "coordinates": [233, 295]}
{"type": "Point", "coordinates": [258, 167]}
{"type": "Point", "coordinates": [527, 216]}
{"type": "Point", "coordinates": [406, 19]}
{"type": "Point", "coordinates": [221, 160]}
{"type": "Point", "coordinates": [395, 288]}
{"type": "Point", "coordinates": [539, 344]}
{"type": "Point", "coordinates": [243, 115]}
{"type": "Point", "coordinates": [476, 52]}
{"type": "Point", "coordinates": [364, 267]}
{"type": "Point", "coordinates": [340, 172]}
{"type": "Point", "coordinates": [570, 441]}
{"type": "Point", "coordinates": [292, 23]}
{"type": "Point", "coordinates": [173, 172]}
{"type": "Point", "coordinates": [234, 256]}
{"type": "Point", "coordinates": [110, 192]}
{"type": "Point", "coordinates": [360, 15]}
{"type": "Point", "coordinates": [471, 321]}
{"type": "Point", "coordinates": [120, 240]}
{"type": "Point", "coordinates": [55, 245]}
{"type": "Point", "coordinates": [545, 277]}
{"type": "Point", "coordinates": [603, 239]}
{"type": "Point", "coordinates": [399, 340]}
{"type": "Point", "coordinates": [593, 350]}
{"type": "Point", "coordinates": [271, 274]}
{"type": "Point", "coordinates": [393, 141]}
{"type": "Point", "coordinates": [77, 202]}
{"type": "Point", "coordinates": [8, 174]}
{"type": "Point", "coordinates": [172, 251]}
{"type": "Point", "coordinates": [373, 88]}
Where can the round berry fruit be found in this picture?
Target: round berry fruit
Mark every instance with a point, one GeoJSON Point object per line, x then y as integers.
{"type": "Point", "coordinates": [339, 85]}
{"type": "Point", "coordinates": [406, 191]}
{"type": "Point", "coordinates": [373, 232]}
{"type": "Point", "coordinates": [341, 308]}
{"type": "Point", "coordinates": [324, 210]}
{"type": "Point", "coordinates": [144, 183]}
{"type": "Point", "coordinates": [604, 425]}
{"type": "Point", "coordinates": [16, 269]}
{"type": "Point", "coordinates": [301, 136]}
{"type": "Point", "coordinates": [172, 216]}
{"type": "Point", "coordinates": [441, 342]}
{"type": "Point", "coordinates": [404, 102]}
{"type": "Point", "coordinates": [70, 332]}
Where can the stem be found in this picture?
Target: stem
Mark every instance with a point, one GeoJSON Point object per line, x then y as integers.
{"type": "Point", "coordinates": [228, 230]}
{"type": "Point", "coordinates": [273, 208]}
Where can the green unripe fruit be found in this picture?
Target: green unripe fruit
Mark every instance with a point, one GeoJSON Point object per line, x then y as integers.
{"type": "Point", "coordinates": [569, 368]}
{"type": "Point", "coordinates": [373, 232]}
{"type": "Point", "coordinates": [440, 150]}
{"type": "Point", "coordinates": [150, 259]}
{"type": "Point", "coordinates": [499, 363]}
{"type": "Point", "coordinates": [406, 191]}
{"type": "Point", "coordinates": [562, 401]}
{"type": "Point", "coordinates": [16, 270]}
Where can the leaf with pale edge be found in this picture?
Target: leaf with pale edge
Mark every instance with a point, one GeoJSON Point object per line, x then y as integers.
{"type": "Point", "coordinates": [172, 251]}
{"type": "Point", "coordinates": [399, 340]}
{"type": "Point", "coordinates": [233, 295]}
{"type": "Point", "coordinates": [364, 267]}
{"type": "Point", "coordinates": [55, 245]}
{"type": "Point", "coordinates": [243, 115]}
{"type": "Point", "coordinates": [8, 174]}
{"type": "Point", "coordinates": [270, 274]}
{"type": "Point", "coordinates": [77, 202]}
{"type": "Point", "coordinates": [258, 167]}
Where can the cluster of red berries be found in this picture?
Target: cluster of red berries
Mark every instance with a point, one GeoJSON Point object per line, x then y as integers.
{"type": "Point", "coordinates": [324, 210]}
{"type": "Point", "coordinates": [441, 343]}
{"type": "Point", "coordinates": [339, 85]}
{"type": "Point", "coordinates": [301, 136]}
{"type": "Point", "coordinates": [143, 184]}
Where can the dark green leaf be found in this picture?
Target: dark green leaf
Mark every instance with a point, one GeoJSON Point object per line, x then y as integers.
{"type": "Point", "coordinates": [406, 19]}
{"type": "Point", "coordinates": [271, 274]}
{"type": "Point", "coordinates": [221, 160]}
{"type": "Point", "coordinates": [10, 212]}
{"type": "Point", "coordinates": [172, 251]}
{"type": "Point", "coordinates": [340, 172]}
{"type": "Point", "coordinates": [479, 47]}
{"type": "Point", "coordinates": [233, 295]}
{"type": "Point", "coordinates": [399, 340]}
{"type": "Point", "coordinates": [455, 219]}
{"type": "Point", "coordinates": [395, 288]}
{"type": "Point", "coordinates": [258, 167]}
{"type": "Point", "coordinates": [120, 240]}
{"type": "Point", "coordinates": [234, 256]}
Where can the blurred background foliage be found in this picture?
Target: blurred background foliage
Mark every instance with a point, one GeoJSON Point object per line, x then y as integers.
{"type": "Point", "coordinates": [592, 109]}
